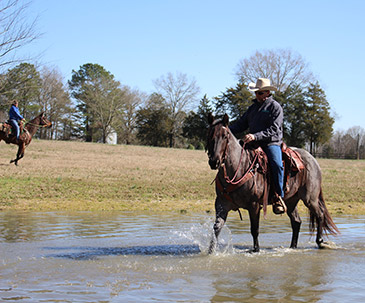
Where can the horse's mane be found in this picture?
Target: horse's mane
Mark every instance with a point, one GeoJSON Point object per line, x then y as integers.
{"type": "Point", "coordinates": [217, 121]}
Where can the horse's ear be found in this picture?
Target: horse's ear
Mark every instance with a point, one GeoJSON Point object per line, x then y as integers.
{"type": "Point", "coordinates": [210, 118]}
{"type": "Point", "coordinates": [225, 120]}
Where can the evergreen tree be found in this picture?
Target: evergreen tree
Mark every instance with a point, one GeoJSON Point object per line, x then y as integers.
{"type": "Point", "coordinates": [196, 124]}
{"type": "Point", "coordinates": [234, 102]}
{"type": "Point", "coordinates": [154, 122]}
{"type": "Point", "coordinates": [318, 123]}
{"type": "Point", "coordinates": [22, 83]}
{"type": "Point", "coordinates": [99, 99]}
{"type": "Point", "coordinates": [294, 108]}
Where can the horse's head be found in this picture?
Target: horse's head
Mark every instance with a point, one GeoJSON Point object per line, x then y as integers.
{"type": "Point", "coordinates": [217, 140]}
{"type": "Point", "coordinates": [43, 121]}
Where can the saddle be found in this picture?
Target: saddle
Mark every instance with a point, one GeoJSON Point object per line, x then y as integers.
{"type": "Point", "coordinates": [293, 164]}
{"type": "Point", "coordinates": [8, 129]}
{"type": "Point", "coordinates": [292, 160]}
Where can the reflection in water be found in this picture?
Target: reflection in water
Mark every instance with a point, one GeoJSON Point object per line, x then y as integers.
{"type": "Point", "coordinates": [109, 257]}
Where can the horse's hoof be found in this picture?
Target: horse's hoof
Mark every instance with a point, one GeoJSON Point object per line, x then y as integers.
{"type": "Point", "coordinates": [254, 250]}
{"type": "Point", "coordinates": [327, 245]}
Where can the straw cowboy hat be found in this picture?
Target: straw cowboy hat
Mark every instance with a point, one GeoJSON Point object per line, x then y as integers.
{"type": "Point", "coordinates": [261, 84]}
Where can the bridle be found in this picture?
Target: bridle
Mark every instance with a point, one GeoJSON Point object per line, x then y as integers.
{"type": "Point", "coordinates": [234, 180]}
{"type": "Point", "coordinates": [39, 125]}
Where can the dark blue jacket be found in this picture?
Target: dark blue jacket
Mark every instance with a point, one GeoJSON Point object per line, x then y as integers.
{"type": "Point", "coordinates": [14, 113]}
{"type": "Point", "coordinates": [264, 121]}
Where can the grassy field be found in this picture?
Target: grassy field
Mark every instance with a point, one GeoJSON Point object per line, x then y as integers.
{"type": "Point", "coordinates": [56, 175]}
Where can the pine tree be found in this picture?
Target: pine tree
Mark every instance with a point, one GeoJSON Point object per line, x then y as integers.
{"type": "Point", "coordinates": [154, 122]}
{"type": "Point", "coordinates": [318, 122]}
{"type": "Point", "coordinates": [196, 124]}
{"type": "Point", "coordinates": [23, 83]}
{"type": "Point", "coordinates": [234, 102]}
{"type": "Point", "coordinates": [294, 108]}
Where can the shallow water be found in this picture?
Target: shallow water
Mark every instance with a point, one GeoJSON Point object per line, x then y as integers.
{"type": "Point", "coordinates": [129, 257]}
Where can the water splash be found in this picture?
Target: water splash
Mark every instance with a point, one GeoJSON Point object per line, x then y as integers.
{"type": "Point", "coordinates": [201, 234]}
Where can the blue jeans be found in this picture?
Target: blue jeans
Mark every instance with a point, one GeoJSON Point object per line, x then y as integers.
{"type": "Point", "coordinates": [274, 156]}
{"type": "Point", "coordinates": [15, 125]}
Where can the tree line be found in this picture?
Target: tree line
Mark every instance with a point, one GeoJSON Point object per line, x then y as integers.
{"type": "Point", "coordinates": [93, 104]}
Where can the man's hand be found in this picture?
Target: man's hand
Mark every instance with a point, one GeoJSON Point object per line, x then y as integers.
{"type": "Point", "coordinates": [248, 138]}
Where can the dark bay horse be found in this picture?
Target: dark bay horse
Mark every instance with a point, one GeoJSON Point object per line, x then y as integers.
{"type": "Point", "coordinates": [227, 155]}
{"type": "Point", "coordinates": [25, 137]}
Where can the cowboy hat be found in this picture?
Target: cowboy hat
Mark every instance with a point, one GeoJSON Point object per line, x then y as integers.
{"type": "Point", "coordinates": [261, 84]}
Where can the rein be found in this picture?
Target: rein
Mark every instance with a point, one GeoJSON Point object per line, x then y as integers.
{"type": "Point", "coordinates": [242, 180]}
{"type": "Point", "coordinates": [33, 124]}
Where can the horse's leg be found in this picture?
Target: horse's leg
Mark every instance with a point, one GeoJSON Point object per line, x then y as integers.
{"type": "Point", "coordinates": [20, 154]}
{"type": "Point", "coordinates": [319, 219]}
{"type": "Point", "coordinates": [316, 217]}
{"type": "Point", "coordinates": [295, 220]}
{"type": "Point", "coordinates": [221, 217]}
{"type": "Point", "coordinates": [254, 213]}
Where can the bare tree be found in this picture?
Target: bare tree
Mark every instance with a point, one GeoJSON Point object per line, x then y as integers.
{"type": "Point", "coordinates": [15, 31]}
{"type": "Point", "coordinates": [282, 66]}
{"type": "Point", "coordinates": [55, 101]}
{"type": "Point", "coordinates": [133, 99]}
{"type": "Point", "coordinates": [358, 134]}
{"type": "Point", "coordinates": [180, 93]}
{"type": "Point", "coordinates": [348, 144]}
{"type": "Point", "coordinates": [105, 100]}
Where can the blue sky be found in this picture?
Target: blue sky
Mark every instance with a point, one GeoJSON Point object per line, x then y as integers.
{"type": "Point", "coordinates": [140, 40]}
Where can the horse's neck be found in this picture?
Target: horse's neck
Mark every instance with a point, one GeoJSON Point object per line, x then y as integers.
{"type": "Point", "coordinates": [234, 155]}
{"type": "Point", "coordinates": [32, 126]}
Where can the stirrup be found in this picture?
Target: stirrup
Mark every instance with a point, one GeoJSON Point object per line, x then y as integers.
{"type": "Point", "coordinates": [279, 207]}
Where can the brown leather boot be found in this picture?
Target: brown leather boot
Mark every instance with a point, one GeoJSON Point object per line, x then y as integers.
{"type": "Point", "coordinates": [278, 206]}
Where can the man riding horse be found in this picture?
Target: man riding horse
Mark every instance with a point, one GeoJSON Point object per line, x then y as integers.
{"type": "Point", "coordinates": [264, 119]}
{"type": "Point", "coordinates": [23, 139]}
{"type": "Point", "coordinates": [14, 118]}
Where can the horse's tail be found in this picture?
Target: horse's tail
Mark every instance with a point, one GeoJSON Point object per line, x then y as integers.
{"type": "Point", "coordinates": [328, 225]}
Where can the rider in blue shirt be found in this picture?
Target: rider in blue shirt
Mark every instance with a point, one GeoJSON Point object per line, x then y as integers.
{"type": "Point", "coordinates": [15, 117]}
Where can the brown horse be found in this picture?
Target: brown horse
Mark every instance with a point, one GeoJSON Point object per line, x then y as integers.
{"type": "Point", "coordinates": [25, 137]}
{"type": "Point", "coordinates": [234, 161]}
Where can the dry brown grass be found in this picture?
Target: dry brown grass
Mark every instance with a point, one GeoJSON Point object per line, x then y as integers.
{"type": "Point", "coordinates": [80, 176]}
{"type": "Point", "coordinates": [56, 175]}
